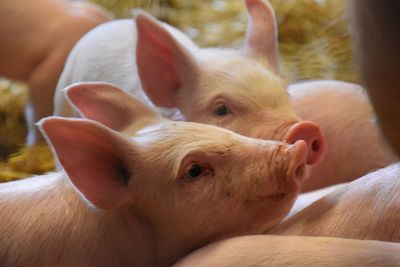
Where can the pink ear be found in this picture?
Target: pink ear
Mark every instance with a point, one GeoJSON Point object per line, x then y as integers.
{"type": "Point", "coordinates": [94, 157]}
{"type": "Point", "coordinates": [107, 104]}
{"type": "Point", "coordinates": [164, 65]}
{"type": "Point", "coordinates": [261, 35]}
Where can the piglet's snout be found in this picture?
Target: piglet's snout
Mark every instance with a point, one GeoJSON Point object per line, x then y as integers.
{"type": "Point", "coordinates": [297, 165]}
{"type": "Point", "coordinates": [313, 137]}
{"type": "Point", "coordinates": [287, 170]}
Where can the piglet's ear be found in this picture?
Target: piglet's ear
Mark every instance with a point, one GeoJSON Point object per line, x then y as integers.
{"type": "Point", "coordinates": [108, 104]}
{"type": "Point", "coordinates": [261, 35]}
{"type": "Point", "coordinates": [94, 157]}
{"type": "Point", "coordinates": [164, 65]}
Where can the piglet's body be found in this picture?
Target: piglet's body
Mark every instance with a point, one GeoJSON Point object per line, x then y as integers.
{"type": "Point", "coordinates": [367, 208]}
{"type": "Point", "coordinates": [36, 38]}
{"type": "Point", "coordinates": [294, 251]}
{"type": "Point", "coordinates": [146, 196]}
{"type": "Point", "coordinates": [354, 142]}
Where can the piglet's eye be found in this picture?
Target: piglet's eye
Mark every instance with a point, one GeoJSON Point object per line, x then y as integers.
{"type": "Point", "coordinates": [222, 110]}
{"type": "Point", "coordinates": [193, 171]}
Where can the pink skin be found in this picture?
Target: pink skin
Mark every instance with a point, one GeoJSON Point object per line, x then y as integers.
{"type": "Point", "coordinates": [120, 189]}
{"type": "Point", "coordinates": [299, 251]}
{"type": "Point", "coordinates": [354, 142]}
{"type": "Point", "coordinates": [312, 135]}
{"type": "Point", "coordinates": [367, 208]}
{"type": "Point", "coordinates": [37, 37]}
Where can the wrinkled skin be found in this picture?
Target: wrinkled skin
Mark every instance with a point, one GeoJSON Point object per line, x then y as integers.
{"type": "Point", "coordinates": [36, 38]}
{"type": "Point", "coordinates": [146, 196]}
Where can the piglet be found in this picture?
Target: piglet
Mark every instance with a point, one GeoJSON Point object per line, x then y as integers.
{"type": "Point", "coordinates": [140, 190]}
{"type": "Point", "coordinates": [36, 38]}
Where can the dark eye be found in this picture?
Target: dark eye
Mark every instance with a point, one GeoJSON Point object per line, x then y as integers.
{"type": "Point", "coordinates": [222, 110]}
{"type": "Point", "coordinates": [193, 171]}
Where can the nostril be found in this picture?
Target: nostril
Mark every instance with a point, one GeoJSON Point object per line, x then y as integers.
{"type": "Point", "coordinates": [315, 145]}
{"type": "Point", "coordinates": [312, 135]}
{"type": "Point", "coordinates": [300, 171]}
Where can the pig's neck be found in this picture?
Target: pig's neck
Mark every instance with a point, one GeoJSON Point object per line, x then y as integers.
{"type": "Point", "coordinates": [125, 238]}
{"type": "Point", "coordinates": [131, 239]}
{"type": "Point", "coordinates": [53, 226]}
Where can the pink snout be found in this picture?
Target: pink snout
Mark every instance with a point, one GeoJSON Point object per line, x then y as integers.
{"type": "Point", "coordinates": [297, 166]}
{"type": "Point", "coordinates": [313, 137]}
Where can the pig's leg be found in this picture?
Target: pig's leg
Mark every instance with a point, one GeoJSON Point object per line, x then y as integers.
{"type": "Point", "coordinates": [354, 143]}
{"type": "Point", "coordinates": [367, 208]}
{"type": "Point", "coordinates": [280, 251]}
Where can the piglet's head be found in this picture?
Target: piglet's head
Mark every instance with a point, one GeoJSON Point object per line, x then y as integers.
{"type": "Point", "coordinates": [188, 181]}
{"type": "Point", "coordinates": [236, 89]}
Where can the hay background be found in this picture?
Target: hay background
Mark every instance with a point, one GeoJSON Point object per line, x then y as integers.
{"type": "Point", "coordinates": [314, 39]}
{"type": "Point", "coordinates": [314, 43]}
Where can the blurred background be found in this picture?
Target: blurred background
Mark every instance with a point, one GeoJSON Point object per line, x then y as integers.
{"type": "Point", "coordinates": [314, 43]}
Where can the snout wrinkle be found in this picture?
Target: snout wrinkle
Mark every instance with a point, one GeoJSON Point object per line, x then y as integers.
{"type": "Point", "coordinates": [279, 132]}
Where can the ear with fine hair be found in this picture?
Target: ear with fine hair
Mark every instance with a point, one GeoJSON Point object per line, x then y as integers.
{"type": "Point", "coordinates": [94, 157]}
{"type": "Point", "coordinates": [261, 34]}
{"type": "Point", "coordinates": [164, 65]}
{"type": "Point", "coordinates": [108, 104]}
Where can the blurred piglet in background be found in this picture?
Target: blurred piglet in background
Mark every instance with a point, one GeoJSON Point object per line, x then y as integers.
{"type": "Point", "coordinates": [236, 89]}
{"type": "Point", "coordinates": [36, 38]}
{"type": "Point", "coordinates": [146, 196]}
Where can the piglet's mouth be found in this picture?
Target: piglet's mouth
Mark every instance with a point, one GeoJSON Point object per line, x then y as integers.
{"type": "Point", "coordinates": [268, 198]}
{"type": "Point", "coordinates": [279, 196]}
{"type": "Point", "coordinates": [276, 197]}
